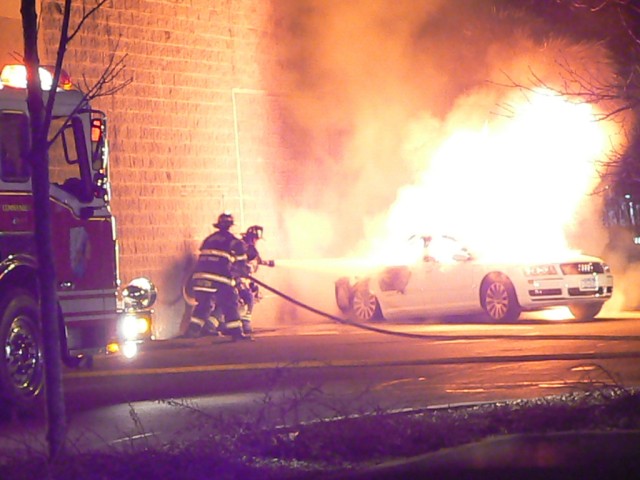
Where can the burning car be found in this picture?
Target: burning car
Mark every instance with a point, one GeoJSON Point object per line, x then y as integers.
{"type": "Point", "coordinates": [445, 278]}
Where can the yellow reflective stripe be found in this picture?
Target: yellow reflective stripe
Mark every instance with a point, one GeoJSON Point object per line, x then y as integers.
{"type": "Point", "coordinates": [211, 252]}
{"type": "Point", "coordinates": [217, 253]}
{"type": "Point", "coordinates": [197, 321]}
{"type": "Point", "coordinates": [213, 277]}
{"type": "Point", "coordinates": [234, 324]}
{"type": "Point", "coordinates": [205, 289]}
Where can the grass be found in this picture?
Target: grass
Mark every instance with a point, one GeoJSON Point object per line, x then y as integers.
{"type": "Point", "coordinates": [254, 447]}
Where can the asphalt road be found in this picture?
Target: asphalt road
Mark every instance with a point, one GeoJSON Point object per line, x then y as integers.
{"type": "Point", "coordinates": [325, 369]}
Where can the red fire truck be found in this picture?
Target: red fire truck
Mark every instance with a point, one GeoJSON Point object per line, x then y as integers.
{"type": "Point", "coordinates": [95, 316]}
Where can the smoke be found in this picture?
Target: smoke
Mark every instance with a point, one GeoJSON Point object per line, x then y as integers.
{"type": "Point", "coordinates": [375, 88]}
{"type": "Point", "coordinates": [373, 91]}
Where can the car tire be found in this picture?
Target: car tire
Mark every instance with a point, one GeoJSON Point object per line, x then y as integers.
{"type": "Point", "coordinates": [343, 294]}
{"type": "Point", "coordinates": [499, 300]}
{"type": "Point", "coordinates": [22, 366]}
{"type": "Point", "coordinates": [364, 304]}
{"type": "Point", "coordinates": [585, 311]}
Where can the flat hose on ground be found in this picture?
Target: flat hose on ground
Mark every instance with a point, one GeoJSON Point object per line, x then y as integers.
{"type": "Point", "coordinates": [370, 328]}
{"type": "Point", "coordinates": [337, 319]}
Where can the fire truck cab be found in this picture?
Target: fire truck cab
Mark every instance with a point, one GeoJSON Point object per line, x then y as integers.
{"type": "Point", "coordinates": [94, 315]}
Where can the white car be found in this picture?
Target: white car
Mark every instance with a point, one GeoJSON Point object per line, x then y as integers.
{"type": "Point", "coordinates": [447, 279]}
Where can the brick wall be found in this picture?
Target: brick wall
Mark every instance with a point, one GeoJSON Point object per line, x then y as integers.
{"type": "Point", "coordinates": [173, 130]}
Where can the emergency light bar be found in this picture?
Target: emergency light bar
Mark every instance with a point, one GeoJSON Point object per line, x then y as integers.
{"type": "Point", "coordinates": [15, 76]}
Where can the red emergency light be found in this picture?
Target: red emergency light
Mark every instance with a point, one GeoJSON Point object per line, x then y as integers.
{"type": "Point", "coordinates": [64, 82]}
{"type": "Point", "coordinates": [96, 129]}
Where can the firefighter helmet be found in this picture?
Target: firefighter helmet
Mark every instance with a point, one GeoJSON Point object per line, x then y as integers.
{"type": "Point", "coordinates": [253, 233]}
{"type": "Point", "coordinates": [225, 221]}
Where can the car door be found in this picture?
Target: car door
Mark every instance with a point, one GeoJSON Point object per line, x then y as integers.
{"type": "Point", "coordinates": [449, 278]}
{"type": "Point", "coordinates": [400, 287]}
{"type": "Point", "coordinates": [401, 291]}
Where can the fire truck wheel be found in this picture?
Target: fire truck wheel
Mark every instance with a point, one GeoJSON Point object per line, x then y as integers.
{"type": "Point", "coordinates": [22, 369]}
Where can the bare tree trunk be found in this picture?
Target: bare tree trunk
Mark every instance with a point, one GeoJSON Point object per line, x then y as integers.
{"type": "Point", "coordinates": [39, 159]}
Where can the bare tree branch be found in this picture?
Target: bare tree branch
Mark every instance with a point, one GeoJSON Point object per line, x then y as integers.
{"type": "Point", "coordinates": [622, 6]}
{"type": "Point", "coordinates": [105, 86]}
{"type": "Point", "coordinates": [85, 15]}
{"type": "Point", "coordinates": [62, 47]}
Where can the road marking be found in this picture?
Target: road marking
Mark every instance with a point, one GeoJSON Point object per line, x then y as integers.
{"type": "Point", "coordinates": [132, 437]}
{"type": "Point", "coordinates": [584, 368]}
{"type": "Point", "coordinates": [216, 368]}
{"type": "Point", "coordinates": [354, 364]}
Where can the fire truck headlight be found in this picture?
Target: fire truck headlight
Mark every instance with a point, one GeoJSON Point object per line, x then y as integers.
{"type": "Point", "coordinates": [129, 349]}
{"type": "Point", "coordinates": [132, 326]}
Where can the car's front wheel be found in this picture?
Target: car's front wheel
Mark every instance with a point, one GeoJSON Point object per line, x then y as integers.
{"type": "Point", "coordinates": [585, 311]}
{"type": "Point", "coordinates": [364, 304]}
{"type": "Point", "coordinates": [498, 299]}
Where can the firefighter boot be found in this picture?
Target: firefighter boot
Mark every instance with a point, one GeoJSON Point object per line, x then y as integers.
{"type": "Point", "coordinates": [241, 337]}
{"type": "Point", "coordinates": [247, 331]}
{"type": "Point", "coordinates": [194, 330]}
{"type": "Point", "coordinates": [210, 328]}
{"type": "Point", "coordinates": [235, 330]}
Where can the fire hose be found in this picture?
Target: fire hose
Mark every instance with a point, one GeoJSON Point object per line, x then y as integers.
{"type": "Point", "coordinates": [337, 319]}
{"type": "Point", "coordinates": [371, 328]}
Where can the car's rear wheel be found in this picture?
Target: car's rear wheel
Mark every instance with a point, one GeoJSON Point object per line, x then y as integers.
{"type": "Point", "coordinates": [364, 304]}
{"type": "Point", "coordinates": [343, 294]}
{"type": "Point", "coordinates": [499, 300]}
{"type": "Point", "coordinates": [585, 311]}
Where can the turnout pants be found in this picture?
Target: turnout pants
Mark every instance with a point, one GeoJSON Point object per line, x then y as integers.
{"type": "Point", "coordinates": [225, 300]}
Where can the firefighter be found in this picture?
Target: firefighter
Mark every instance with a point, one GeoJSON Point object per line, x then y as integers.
{"type": "Point", "coordinates": [222, 259]}
{"type": "Point", "coordinates": [248, 290]}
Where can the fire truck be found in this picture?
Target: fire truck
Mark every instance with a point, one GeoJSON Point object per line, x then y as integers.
{"type": "Point", "coordinates": [95, 315]}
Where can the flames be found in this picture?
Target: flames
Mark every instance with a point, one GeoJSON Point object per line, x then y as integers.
{"type": "Point", "coordinates": [401, 124]}
{"type": "Point", "coordinates": [510, 188]}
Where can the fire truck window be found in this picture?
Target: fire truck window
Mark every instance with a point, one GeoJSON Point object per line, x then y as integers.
{"type": "Point", "coordinates": [64, 157]}
{"type": "Point", "coordinates": [14, 143]}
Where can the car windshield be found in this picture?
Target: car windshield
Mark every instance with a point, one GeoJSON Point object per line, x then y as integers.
{"type": "Point", "coordinates": [444, 249]}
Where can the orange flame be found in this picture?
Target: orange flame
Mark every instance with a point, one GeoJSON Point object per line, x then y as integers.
{"type": "Point", "coordinates": [508, 189]}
